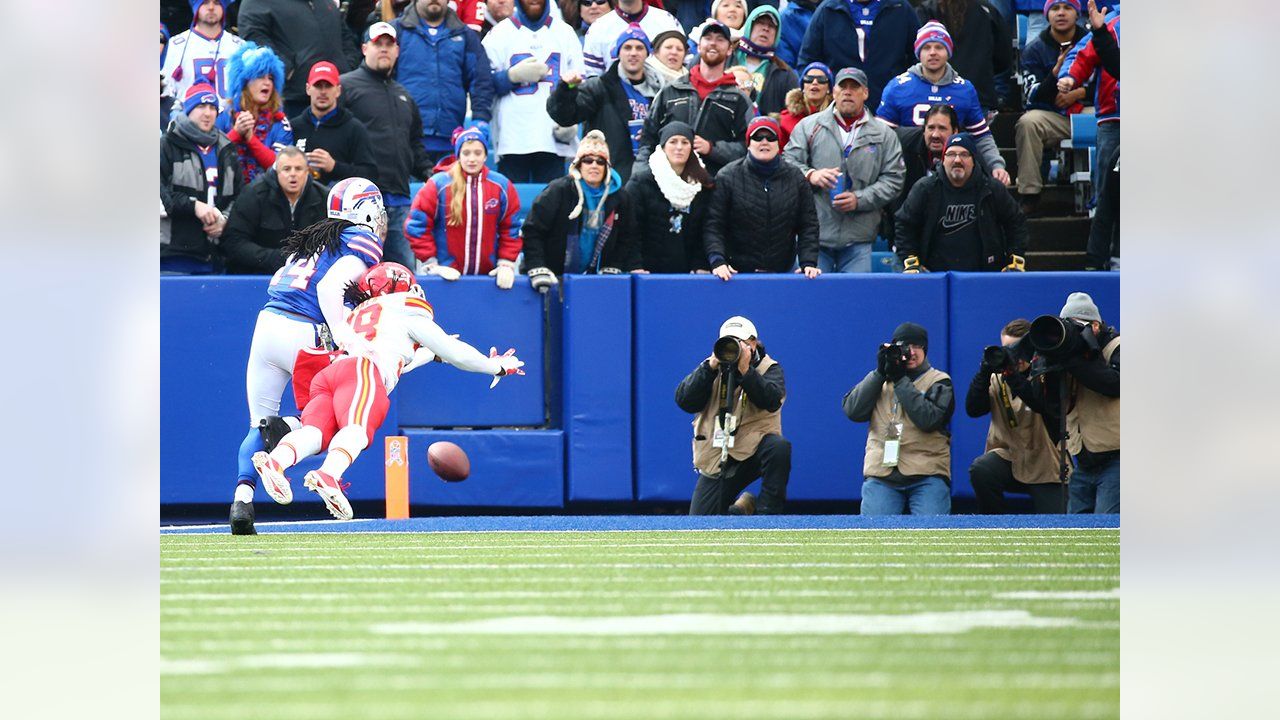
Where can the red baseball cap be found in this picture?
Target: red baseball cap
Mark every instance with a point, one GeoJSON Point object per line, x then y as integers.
{"type": "Point", "coordinates": [326, 71]}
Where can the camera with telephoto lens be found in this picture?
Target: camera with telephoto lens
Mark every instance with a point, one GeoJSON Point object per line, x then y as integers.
{"type": "Point", "coordinates": [727, 350]}
{"type": "Point", "coordinates": [896, 355]}
{"type": "Point", "coordinates": [1005, 358]}
{"type": "Point", "coordinates": [1057, 339]}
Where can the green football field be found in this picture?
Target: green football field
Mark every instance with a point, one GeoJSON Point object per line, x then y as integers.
{"type": "Point", "coordinates": [954, 624]}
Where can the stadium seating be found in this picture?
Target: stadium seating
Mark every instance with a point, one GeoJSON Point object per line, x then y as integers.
{"type": "Point", "coordinates": [1078, 156]}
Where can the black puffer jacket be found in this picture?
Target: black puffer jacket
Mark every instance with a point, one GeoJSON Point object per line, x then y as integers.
{"type": "Point", "coordinates": [601, 104]}
{"type": "Point", "coordinates": [761, 226]}
{"type": "Point", "coordinates": [547, 228]}
{"type": "Point", "coordinates": [395, 128]}
{"type": "Point", "coordinates": [663, 248]}
{"type": "Point", "coordinates": [262, 221]}
{"type": "Point", "coordinates": [722, 119]}
{"type": "Point", "coordinates": [182, 183]}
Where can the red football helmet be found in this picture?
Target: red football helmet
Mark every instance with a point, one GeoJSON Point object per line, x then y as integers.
{"type": "Point", "coordinates": [386, 278]}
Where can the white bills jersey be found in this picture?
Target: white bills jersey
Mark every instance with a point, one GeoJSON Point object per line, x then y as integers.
{"type": "Point", "coordinates": [521, 123]}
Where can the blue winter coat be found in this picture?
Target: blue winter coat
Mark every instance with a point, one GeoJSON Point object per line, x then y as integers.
{"type": "Point", "coordinates": [795, 20]}
{"type": "Point", "coordinates": [426, 61]}
{"type": "Point", "coordinates": [832, 39]}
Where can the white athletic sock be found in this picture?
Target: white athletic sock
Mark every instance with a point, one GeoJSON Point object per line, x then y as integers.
{"type": "Point", "coordinates": [297, 446]}
{"type": "Point", "coordinates": [344, 448]}
{"type": "Point", "coordinates": [244, 493]}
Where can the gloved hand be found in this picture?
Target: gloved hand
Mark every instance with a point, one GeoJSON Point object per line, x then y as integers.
{"type": "Point", "coordinates": [610, 271]}
{"type": "Point", "coordinates": [529, 70]}
{"type": "Point", "coordinates": [542, 279]}
{"type": "Point", "coordinates": [431, 267]}
{"type": "Point", "coordinates": [912, 265]}
{"type": "Point", "coordinates": [882, 360]}
{"type": "Point", "coordinates": [1017, 263]}
{"type": "Point", "coordinates": [986, 368]}
{"type": "Point", "coordinates": [505, 273]}
{"type": "Point", "coordinates": [565, 134]}
{"type": "Point", "coordinates": [510, 364]}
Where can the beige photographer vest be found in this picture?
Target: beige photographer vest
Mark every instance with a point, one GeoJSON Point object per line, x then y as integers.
{"type": "Point", "coordinates": [753, 424]}
{"type": "Point", "coordinates": [920, 453]}
{"type": "Point", "coordinates": [1018, 434]}
{"type": "Point", "coordinates": [1094, 420]}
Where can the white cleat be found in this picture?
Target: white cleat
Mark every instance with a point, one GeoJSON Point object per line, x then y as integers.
{"type": "Point", "coordinates": [328, 488]}
{"type": "Point", "coordinates": [273, 479]}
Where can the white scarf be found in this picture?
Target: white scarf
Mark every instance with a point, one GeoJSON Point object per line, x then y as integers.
{"type": "Point", "coordinates": [679, 192]}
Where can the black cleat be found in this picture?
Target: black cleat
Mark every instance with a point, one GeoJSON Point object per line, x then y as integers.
{"type": "Point", "coordinates": [273, 429]}
{"type": "Point", "coordinates": [242, 518]}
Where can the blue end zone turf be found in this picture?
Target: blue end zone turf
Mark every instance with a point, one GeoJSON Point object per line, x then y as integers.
{"type": "Point", "coordinates": [588, 523]}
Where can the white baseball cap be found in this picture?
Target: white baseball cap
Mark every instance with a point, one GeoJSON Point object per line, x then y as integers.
{"type": "Point", "coordinates": [738, 327]}
{"type": "Point", "coordinates": [379, 29]}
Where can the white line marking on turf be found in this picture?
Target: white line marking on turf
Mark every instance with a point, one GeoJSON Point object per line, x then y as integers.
{"type": "Point", "coordinates": [754, 579]}
{"type": "Point", "coordinates": [1113, 594]}
{"type": "Point", "coordinates": [928, 623]}
{"type": "Point", "coordinates": [587, 565]}
{"type": "Point", "coordinates": [287, 661]}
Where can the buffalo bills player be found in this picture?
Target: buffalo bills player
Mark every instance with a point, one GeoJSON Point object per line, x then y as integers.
{"type": "Point", "coordinates": [305, 308]}
{"type": "Point", "coordinates": [348, 400]}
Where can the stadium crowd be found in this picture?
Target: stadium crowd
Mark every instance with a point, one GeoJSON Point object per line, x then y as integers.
{"type": "Point", "coordinates": [667, 135]}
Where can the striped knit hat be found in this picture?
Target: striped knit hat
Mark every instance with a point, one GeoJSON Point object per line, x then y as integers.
{"type": "Point", "coordinates": [934, 31]}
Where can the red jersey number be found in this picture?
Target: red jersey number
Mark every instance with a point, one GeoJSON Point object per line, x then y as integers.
{"type": "Point", "coordinates": [366, 321]}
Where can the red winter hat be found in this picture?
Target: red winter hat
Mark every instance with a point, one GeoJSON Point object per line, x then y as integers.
{"type": "Point", "coordinates": [765, 122]}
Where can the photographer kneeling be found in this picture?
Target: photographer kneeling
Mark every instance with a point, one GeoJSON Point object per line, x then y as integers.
{"type": "Point", "coordinates": [908, 403]}
{"type": "Point", "coordinates": [1081, 351]}
{"type": "Point", "coordinates": [737, 436]}
{"type": "Point", "coordinates": [1022, 453]}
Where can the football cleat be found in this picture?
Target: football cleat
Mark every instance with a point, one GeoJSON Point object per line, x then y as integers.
{"type": "Point", "coordinates": [328, 488]}
{"type": "Point", "coordinates": [242, 518]}
{"type": "Point", "coordinates": [273, 479]}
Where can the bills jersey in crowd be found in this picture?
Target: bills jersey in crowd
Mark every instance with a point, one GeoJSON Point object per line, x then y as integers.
{"type": "Point", "coordinates": [909, 96]}
{"type": "Point", "coordinates": [293, 287]}
{"type": "Point", "coordinates": [520, 120]}
{"type": "Point", "coordinates": [597, 46]}
{"type": "Point", "coordinates": [191, 56]}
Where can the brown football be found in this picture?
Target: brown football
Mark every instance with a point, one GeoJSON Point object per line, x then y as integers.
{"type": "Point", "coordinates": [448, 461]}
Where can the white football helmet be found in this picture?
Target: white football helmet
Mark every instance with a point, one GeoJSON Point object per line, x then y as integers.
{"type": "Point", "coordinates": [359, 201]}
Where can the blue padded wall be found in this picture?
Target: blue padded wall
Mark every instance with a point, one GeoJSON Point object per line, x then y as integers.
{"type": "Point", "coordinates": [597, 370]}
{"type": "Point", "coordinates": [509, 468]}
{"type": "Point", "coordinates": [484, 316]}
{"type": "Point", "coordinates": [206, 327]}
{"type": "Point", "coordinates": [823, 332]}
{"type": "Point", "coordinates": [981, 304]}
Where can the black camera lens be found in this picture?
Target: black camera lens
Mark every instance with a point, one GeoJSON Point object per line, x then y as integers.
{"type": "Point", "coordinates": [727, 349]}
{"type": "Point", "coordinates": [996, 356]}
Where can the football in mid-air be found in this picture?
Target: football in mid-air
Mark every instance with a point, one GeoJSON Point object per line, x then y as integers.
{"type": "Point", "coordinates": [448, 461]}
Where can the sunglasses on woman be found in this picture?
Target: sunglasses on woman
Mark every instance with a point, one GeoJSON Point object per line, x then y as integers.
{"type": "Point", "coordinates": [763, 136]}
{"type": "Point", "coordinates": [820, 79]}
{"type": "Point", "coordinates": [592, 160]}
{"type": "Point", "coordinates": [588, 3]}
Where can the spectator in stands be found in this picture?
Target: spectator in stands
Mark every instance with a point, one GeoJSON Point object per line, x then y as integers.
{"type": "Point", "coordinates": [884, 29]}
{"type": "Point", "coordinates": [495, 11]}
{"type": "Point", "coordinates": [922, 150]}
{"type": "Point", "coordinates": [853, 164]}
{"type": "Point", "coordinates": [302, 34]}
{"type": "Point", "coordinates": [751, 416]}
{"type": "Point", "coordinates": [742, 77]}
{"type": "Point", "coordinates": [907, 466]}
{"type": "Point", "coordinates": [1101, 50]}
{"type": "Point", "coordinates": [932, 81]}
{"type": "Point", "coordinates": [271, 208]}
{"type": "Point", "coordinates": [581, 223]}
{"type": "Point", "coordinates": [709, 101]}
{"type": "Point", "coordinates": [669, 50]}
{"type": "Point", "coordinates": [960, 218]}
{"type": "Point", "coordinates": [689, 13]}
{"type": "Point", "coordinates": [983, 43]}
{"type": "Point", "coordinates": [443, 66]}
{"type": "Point", "coordinates": [395, 132]}
{"type": "Point", "coordinates": [615, 103]}
{"type": "Point", "coordinates": [731, 13]}
{"type": "Point", "coordinates": [1021, 454]}
{"type": "Point", "coordinates": [200, 53]}
{"type": "Point", "coordinates": [762, 217]}
{"type": "Point", "coordinates": [669, 196]}
{"type": "Point", "coordinates": [795, 19]}
{"type": "Point", "coordinates": [603, 35]}
{"type": "Point", "coordinates": [1093, 420]}
{"type": "Point", "coordinates": [167, 92]}
{"type": "Point", "coordinates": [529, 52]}
{"type": "Point", "coordinates": [1046, 120]}
{"type": "Point", "coordinates": [1036, 20]}
{"type": "Point", "coordinates": [336, 144]}
{"type": "Point", "coordinates": [589, 11]}
{"type": "Point", "coordinates": [757, 52]}
{"type": "Point", "coordinates": [254, 119]}
{"type": "Point", "coordinates": [200, 177]}
{"type": "Point", "coordinates": [813, 95]}
{"type": "Point", "coordinates": [448, 227]}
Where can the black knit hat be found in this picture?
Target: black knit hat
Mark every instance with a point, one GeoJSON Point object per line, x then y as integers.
{"type": "Point", "coordinates": [912, 334]}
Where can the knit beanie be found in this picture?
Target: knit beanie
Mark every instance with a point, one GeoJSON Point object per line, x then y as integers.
{"type": "Point", "coordinates": [766, 122]}
{"type": "Point", "coordinates": [818, 66]}
{"type": "Point", "coordinates": [673, 128]}
{"type": "Point", "coordinates": [1049, 5]}
{"type": "Point", "coordinates": [912, 334]}
{"type": "Point", "coordinates": [665, 34]}
{"type": "Point", "coordinates": [934, 31]}
{"type": "Point", "coordinates": [202, 93]}
{"type": "Point", "coordinates": [633, 32]}
{"type": "Point", "coordinates": [465, 135]}
{"type": "Point", "coordinates": [593, 143]}
{"type": "Point", "coordinates": [966, 141]}
{"type": "Point", "coordinates": [1080, 305]}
